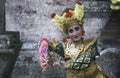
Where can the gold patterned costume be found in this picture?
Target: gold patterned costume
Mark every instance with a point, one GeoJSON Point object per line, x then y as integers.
{"type": "Point", "coordinates": [83, 66]}
{"type": "Point", "coordinates": [80, 57]}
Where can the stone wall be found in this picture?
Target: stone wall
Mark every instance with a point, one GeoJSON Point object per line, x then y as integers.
{"type": "Point", "coordinates": [32, 17]}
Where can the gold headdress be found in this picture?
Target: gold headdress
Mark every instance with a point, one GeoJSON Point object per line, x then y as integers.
{"type": "Point", "coordinates": [69, 17]}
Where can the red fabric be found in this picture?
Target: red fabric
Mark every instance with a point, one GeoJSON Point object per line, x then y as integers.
{"type": "Point", "coordinates": [64, 39]}
{"type": "Point", "coordinates": [68, 14]}
{"type": "Point", "coordinates": [82, 32]}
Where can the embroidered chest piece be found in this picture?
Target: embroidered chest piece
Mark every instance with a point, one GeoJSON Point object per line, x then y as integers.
{"type": "Point", "coordinates": [73, 51]}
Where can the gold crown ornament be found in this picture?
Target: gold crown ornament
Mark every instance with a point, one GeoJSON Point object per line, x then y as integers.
{"type": "Point", "coordinates": [115, 4]}
{"type": "Point", "coordinates": [69, 17]}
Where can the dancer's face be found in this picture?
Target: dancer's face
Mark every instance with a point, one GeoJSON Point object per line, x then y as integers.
{"type": "Point", "coordinates": [74, 33]}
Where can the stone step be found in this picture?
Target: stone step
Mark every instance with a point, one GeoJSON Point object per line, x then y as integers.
{"type": "Point", "coordinates": [109, 37]}
{"type": "Point", "coordinates": [114, 35]}
{"type": "Point", "coordinates": [112, 28]}
{"type": "Point", "coordinates": [111, 24]}
{"type": "Point", "coordinates": [109, 31]}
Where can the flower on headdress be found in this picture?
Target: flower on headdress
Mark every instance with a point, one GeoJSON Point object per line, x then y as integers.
{"type": "Point", "coordinates": [68, 14]}
{"type": "Point", "coordinates": [53, 15]}
{"type": "Point", "coordinates": [78, 3]}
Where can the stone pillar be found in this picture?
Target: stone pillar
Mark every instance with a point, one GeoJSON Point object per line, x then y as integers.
{"type": "Point", "coordinates": [2, 16]}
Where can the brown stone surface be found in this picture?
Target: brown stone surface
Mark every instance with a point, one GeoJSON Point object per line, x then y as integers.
{"type": "Point", "coordinates": [112, 28]}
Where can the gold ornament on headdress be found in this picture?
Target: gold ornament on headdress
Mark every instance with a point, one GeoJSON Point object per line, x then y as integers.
{"type": "Point", "coordinates": [69, 17]}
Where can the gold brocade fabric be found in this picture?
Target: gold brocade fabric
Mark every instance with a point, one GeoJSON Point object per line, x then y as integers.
{"type": "Point", "coordinates": [91, 71]}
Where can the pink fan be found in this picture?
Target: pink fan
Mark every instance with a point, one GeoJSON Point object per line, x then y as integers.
{"type": "Point", "coordinates": [43, 53]}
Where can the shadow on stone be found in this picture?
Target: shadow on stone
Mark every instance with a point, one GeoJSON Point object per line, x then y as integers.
{"type": "Point", "coordinates": [109, 61]}
{"type": "Point", "coordinates": [10, 46]}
